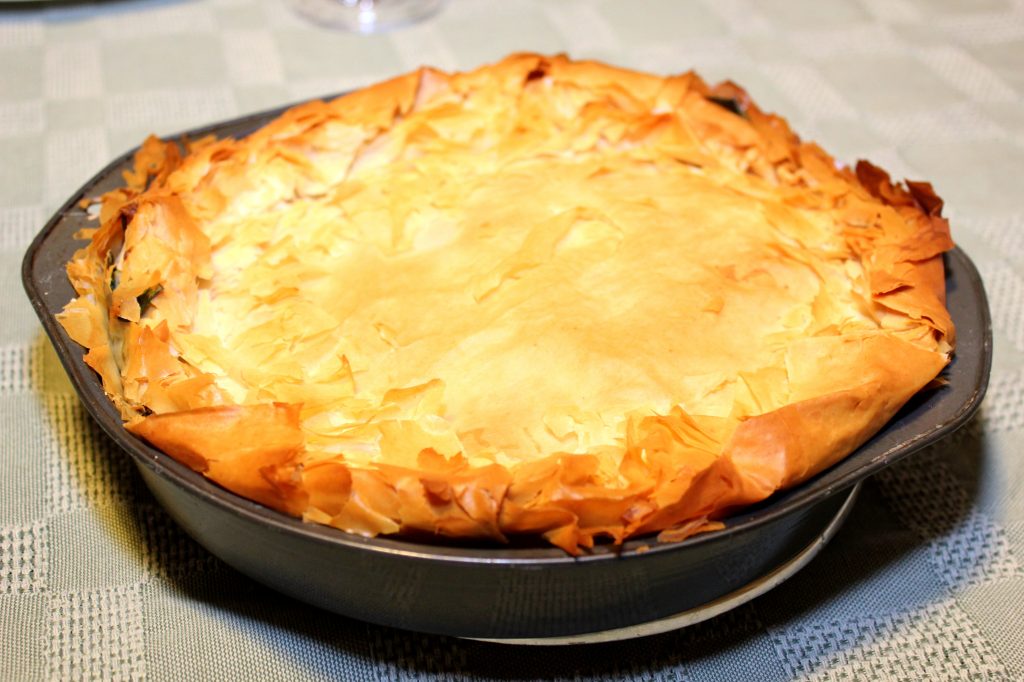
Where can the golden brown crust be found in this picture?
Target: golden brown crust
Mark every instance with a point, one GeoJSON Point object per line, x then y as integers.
{"type": "Point", "coordinates": [543, 297]}
{"type": "Point", "coordinates": [220, 442]}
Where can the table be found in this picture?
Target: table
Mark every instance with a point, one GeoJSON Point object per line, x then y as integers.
{"type": "Point", "coordinates": [925, 581]}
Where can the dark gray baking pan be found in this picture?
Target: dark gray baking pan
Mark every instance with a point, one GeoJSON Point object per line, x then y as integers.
{"type": "Point", "coordinates": [522, 593]}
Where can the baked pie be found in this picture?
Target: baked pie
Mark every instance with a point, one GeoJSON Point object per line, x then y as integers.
{"type": "Point", "coordinates": [541, 298]}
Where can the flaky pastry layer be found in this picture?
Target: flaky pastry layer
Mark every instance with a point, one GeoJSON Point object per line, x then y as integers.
{"type": "Point", "coordinates": [543, 297]}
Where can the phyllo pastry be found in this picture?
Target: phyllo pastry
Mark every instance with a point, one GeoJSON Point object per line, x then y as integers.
{"type": "Point", "coordinates": [544, 298]}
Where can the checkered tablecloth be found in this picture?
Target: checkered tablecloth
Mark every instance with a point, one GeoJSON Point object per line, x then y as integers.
{"type": "Point", "coordinates": [925, 581]}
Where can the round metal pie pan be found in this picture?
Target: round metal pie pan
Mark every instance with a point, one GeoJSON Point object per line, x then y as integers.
{"type": "Point", "coordinates": [529, 594]}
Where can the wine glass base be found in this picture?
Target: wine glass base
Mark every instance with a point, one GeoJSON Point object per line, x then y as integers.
{"type": "Point", "coordinates": [366, 16]}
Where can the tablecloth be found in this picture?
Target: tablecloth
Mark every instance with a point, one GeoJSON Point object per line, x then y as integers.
{"type": "Point", "coordinates": [925, 581]}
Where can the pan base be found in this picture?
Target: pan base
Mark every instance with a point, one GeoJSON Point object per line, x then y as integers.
{"type": "Point", "coordinates": [716, 607]}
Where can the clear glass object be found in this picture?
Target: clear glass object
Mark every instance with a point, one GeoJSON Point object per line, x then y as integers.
{"type": "Point", "coordinates": [366, 16]}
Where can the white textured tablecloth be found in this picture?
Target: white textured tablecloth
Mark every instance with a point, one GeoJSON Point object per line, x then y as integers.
{"type": "Point", "coordinates": [924, 582]}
